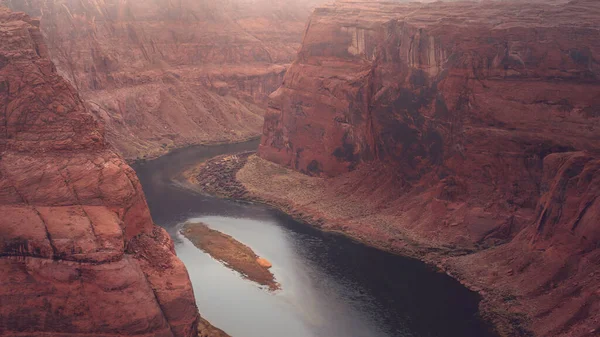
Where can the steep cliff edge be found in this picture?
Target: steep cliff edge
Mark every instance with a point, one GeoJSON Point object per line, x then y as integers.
{"type": "Point", "coordinates": [448, 129]}
{"type": "Point", "coordinates": [79, 254]}
{"type": "Point", "coordinates": [166, 74]}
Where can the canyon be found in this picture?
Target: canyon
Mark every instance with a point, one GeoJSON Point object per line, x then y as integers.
{"type": "Point", "coordinates": [168, 74]}
{"type": "Point", "coordinates": [79, 253]}
{"type": "Point", "coordinates": [466, 134]}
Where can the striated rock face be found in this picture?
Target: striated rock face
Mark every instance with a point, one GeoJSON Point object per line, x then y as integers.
{"type": "Point", "coordinates": [553, 264]}
{"type": "Point", "coordinates": [416, 83]}
{"type": "Point", "coordinates": [79, 254]}
{"type": "Point", "coordinates": [472, 126]}
{"type": "Point", "coordinates": [165, 74]}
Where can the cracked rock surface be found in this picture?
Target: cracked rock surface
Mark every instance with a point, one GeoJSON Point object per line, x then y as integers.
{"type": "Point", "coordinates": [79, 253]}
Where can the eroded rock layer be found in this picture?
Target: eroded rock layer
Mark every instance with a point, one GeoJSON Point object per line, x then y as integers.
{"type": "Point", "coordinates": [465, 127]}
{"type": "Point", "coordinates": [79, 254]}
{"type": "Point", "coordinates": [165, 74]}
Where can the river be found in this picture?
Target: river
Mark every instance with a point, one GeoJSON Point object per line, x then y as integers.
{"type": "Point", "coordinates": [331, 286]}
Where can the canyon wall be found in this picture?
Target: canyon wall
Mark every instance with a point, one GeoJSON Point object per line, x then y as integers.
{"type": "Point", "coordinates": [468, 128]}
{"type": "Point", "coordinates": [166, 74]}
{"type": "Point", "coordinates": [79, 254]}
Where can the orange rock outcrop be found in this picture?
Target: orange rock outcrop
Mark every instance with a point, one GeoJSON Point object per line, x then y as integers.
{"type": "Point", "coordinates": [79, 253]}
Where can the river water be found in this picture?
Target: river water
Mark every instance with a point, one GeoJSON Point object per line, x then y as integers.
{"type": "Point", "coordinates": [331, 286]}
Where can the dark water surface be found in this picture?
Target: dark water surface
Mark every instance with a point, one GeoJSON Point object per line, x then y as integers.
{"type": "Point", "coordinates": [331, 286]}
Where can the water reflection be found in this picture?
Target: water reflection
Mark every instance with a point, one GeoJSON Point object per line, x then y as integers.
{"type": "Point", "coordinates": [331, 286]}
{"type": "Point", "coordinates": [311, 303]}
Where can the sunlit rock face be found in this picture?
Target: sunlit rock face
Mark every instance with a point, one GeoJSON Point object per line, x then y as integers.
{"type": "Point", "coordinates": [79, 253]}
{"type": "Point", "coordinates": [473, 125]}
{"type": "Point", "coordinates": [165, 74]}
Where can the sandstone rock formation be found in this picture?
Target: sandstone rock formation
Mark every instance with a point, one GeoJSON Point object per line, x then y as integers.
{"type": "Point", "coordinates": [165, 74]}
{"type": "Point", "coordinates": [553, 264]}
{"type": "Point", "coordinates": [79, 254]}
{"type": "Point", "coordinates": [463, 127]}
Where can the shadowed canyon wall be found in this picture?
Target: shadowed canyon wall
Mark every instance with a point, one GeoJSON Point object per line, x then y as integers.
{"type": "Point", "coordinates": [79, 253]}
{"type": "Point", "coordinates": [467, 127]}
{"type": "Point", "coordinates": [169, 73]}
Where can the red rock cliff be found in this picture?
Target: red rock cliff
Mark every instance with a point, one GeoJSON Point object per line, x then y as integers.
{"type": "Point", "coordinates": [165, 74]}
{"type": "Point", "coordinates": [79, 254]}
{"type": "Point", "coordinates": [474, 126]}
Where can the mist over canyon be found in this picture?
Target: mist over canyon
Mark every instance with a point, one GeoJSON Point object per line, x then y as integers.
{"type": "Point", "coordinates": [166, 74]}
{"type": "Point", "coordinates": [465, 134]}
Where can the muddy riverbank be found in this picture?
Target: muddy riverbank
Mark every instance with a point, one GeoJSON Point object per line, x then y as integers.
{"type": "Point", "coordinates": [330, 285]}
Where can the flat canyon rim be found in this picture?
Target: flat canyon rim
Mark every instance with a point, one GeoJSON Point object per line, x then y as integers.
{"type": "Point", "coordinates": [331, 285]}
